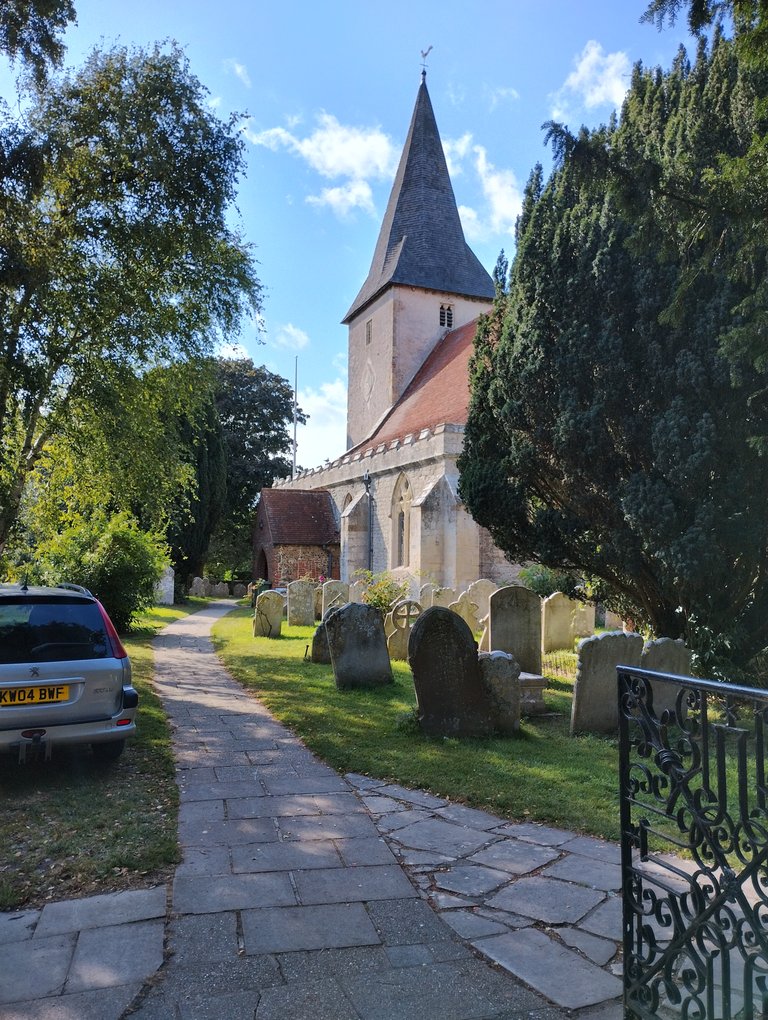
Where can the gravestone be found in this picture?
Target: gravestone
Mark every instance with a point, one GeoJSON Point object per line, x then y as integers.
{"type": "Point", "coordinates": [319, 602]}
{"type": "Point", "coordinates": [268, 615]}
{"type": "Point", "coordinates": [427, 595]}
{"type": "Point", "coordinates": [666, 655]}
{"type": "Point", "coordinates": [467, 610]}
{"type": "Point", "coordinates": [582, 620]}
{"type": "Point", "coordinates": [220, 590]}
{"type": "Point", "coordinates": [397, 627]}
{"type": "Point", "coordinates": [321, 653]}
{"type": "Point", "coordinates": [515, 625]}
{"type": "Point", "coordinates": [301, 604]}
{"type": "Point", "coordinates": [613, 621]}
{"type": "Point", "coordinates": [239, 590]}
{"type": "Point", "coordinates": [356, 591]}
{"type": "Point", "coordinates": [556, 622]}
{"type": "Point", "coordinates": [480, 592]}
{"type": "Point", "coordinates": [164, 588]}
{"type": "Point", "coordinates": [358, 647]}
{"type": "Point", "coordinates": [500, 675]}
{"type": "Point", "coordinates": [595, 693]}
{"type": "Point", "coordinates": [201, 587]}
{"type": "Point", "coordinates": [335, 595]}
{"type": "Point", "coordinates": [450, 695]}
{"type": "Point", "coordinates": [443, 597]}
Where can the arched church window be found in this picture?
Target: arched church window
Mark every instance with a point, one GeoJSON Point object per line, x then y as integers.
{"type": "Point", "coordinates": [401, 520]}
{"type": "Point", "coordinates": [446, 316]}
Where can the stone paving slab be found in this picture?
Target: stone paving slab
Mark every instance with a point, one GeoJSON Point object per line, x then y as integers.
{"type": "Point", "coordinates": [203, 894]}
{"type": "Point", "coordinates": [18, 925]}
{"type": "Point", "coordinates": [327, 827]}
{"type": "Point", "coordinates": [35, 967]}
{"type": "Point", "coordinates": [547, 899]}
{"type": "Point", "coordinates": [98, 1004]}
{"type": "Point", "coordinates": [119, 955]}
{"type": "Point", "coordinates": [101, 911]}
{"type": "Point", "coordinates": [255, 857]}
{"type": "Point", "coordinates": [560, 974]}
{"type": "Point", "coordinates": [353, 885]}
{"type": "Point", "coordinates": [327, 926]}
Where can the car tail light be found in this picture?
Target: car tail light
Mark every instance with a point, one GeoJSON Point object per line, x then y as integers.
{"type": "Point", "coordinates": [117, 644]}
{"type": "Point", "coordinates": [123, 722]}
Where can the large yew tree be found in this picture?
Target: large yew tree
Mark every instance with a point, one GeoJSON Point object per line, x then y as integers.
{"type": "Point", "coordinates": [607, 433]}
{"type": "Point", "coordinates": [117, 250]}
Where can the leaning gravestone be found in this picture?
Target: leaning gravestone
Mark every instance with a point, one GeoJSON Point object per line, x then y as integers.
{"type": "Point", "coordinates": [595, 693]}
{"type": "Point", "coordinates": [301, 604]}
{"type": "Point", "coordinates": [397, 627]}
{"type": "Point", "coordinates": [358, 647]}
{"type": "Point", "coordinates": [500, 675]}
{"type": "Point", "coordinates": [515, 626]}
{"type": "Point", "coordinates": [321, 653]}
{"type": "Point", "coordinates": [666, 655]}
{"type": "Point", "coordinates": [450, 695]}
{"type": "Point", "coordinates": [268, 615]}
{"type": "Point", "coordinates": [335, 595]}
{"type": "Point", "coordinates": [443, 597]}
{"type": "Point", "coordinates": [467, 610]}
{"type": "Point", "coordinates": [480, 592]}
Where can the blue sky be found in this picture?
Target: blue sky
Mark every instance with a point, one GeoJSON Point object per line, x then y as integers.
{"type": "Point", "coordinates": [328, 90]}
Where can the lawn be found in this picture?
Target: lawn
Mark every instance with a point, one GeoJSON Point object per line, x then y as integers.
{"type": "Point", "coordinates": [543, 775]}
{"type": "Point", "coordinates": [72, 827]}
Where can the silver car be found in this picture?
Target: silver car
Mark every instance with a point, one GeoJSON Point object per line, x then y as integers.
{"type": "Point", "coordinates": [65, 677]}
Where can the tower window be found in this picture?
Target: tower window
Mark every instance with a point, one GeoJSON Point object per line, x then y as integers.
{"type": "Point", "coordinates": [368, 331]}
{"type": "Point", "coordinates": [446, 316]}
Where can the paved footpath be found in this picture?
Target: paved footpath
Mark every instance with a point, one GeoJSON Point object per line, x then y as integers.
{"type": "Point", "coordinates": [305, 894]}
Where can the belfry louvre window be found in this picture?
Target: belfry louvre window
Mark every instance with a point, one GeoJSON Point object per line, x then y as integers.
{"type": "Point", "coordinates": [368, 330]}
{"type": "Point", "coordinates": [446, 316]}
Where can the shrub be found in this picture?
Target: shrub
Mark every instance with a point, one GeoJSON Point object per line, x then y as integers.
{"type": "Point", "coordinates": [383, 590]}
{"type": "Point", "coordinates": [545, 581]}
{"type": "Point", "coordinates": [113, 558]}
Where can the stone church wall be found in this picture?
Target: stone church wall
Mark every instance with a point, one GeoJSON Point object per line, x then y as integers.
{"type": "Point", "coordinates": [294, 561]}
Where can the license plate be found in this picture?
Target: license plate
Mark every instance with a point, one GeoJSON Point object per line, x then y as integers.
{"type": "Point", "coordinates": [39, 695]}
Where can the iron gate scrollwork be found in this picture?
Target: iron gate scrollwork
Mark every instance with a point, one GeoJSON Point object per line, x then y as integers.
{"type": "Point", "coordinates": [692, 783]}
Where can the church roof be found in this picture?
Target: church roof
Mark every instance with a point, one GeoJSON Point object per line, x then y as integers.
{"type": "Point", "coordinates": [437, 395]}
{"type": "Point", "coordinates": [299, 516]}
{"type": "Point", "coordinates": [421, 242]}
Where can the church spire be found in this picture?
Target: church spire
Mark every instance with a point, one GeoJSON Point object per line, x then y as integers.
{"type": "Point", "coordinates": [421, 242]}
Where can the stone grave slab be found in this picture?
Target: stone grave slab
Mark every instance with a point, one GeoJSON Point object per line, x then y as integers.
{"type": "Point", "coordinates": [358, 647]}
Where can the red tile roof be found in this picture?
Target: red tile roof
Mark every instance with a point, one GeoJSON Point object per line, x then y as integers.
{"type": "Point", "coordinates": [437, 395]}
{"type": "Point", "coordinates": [299, 516]}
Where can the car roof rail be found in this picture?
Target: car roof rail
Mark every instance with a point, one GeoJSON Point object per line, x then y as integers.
{"type": "Point", "coordinates": [75, 587]}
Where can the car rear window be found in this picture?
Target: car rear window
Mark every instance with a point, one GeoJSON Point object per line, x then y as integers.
{"type": "Point", "coordinates": [36, 629]}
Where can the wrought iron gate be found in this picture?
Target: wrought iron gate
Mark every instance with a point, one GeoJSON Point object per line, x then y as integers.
{"type": "Point", "coordinates": [692, 781]}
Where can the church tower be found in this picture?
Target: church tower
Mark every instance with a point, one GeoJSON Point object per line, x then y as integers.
{"type": "Point", "coordinates": [424, 279]}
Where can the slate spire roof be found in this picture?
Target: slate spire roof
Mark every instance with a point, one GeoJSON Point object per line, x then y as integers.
{"type": "Point", "coordinates": [421, 242]}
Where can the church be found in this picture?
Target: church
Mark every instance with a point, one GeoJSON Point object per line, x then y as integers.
{"type": "Point", "coordinates": [394, 492]}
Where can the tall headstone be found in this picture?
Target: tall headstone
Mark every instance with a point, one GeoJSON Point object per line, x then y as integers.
{"type": "Point", "coordinates": [556, 623]}
{"type": "Point", "coordinates": [268, 614]}
{"type": "Point", "coordinates": [666, 655]}
{"type": "Point", "coordinates": [467, 610]}
{"type": "Point", "coordinates": [164, 588]}
{"type": "Point", "coordinates": [427, 595]}
{"type": "Point", "coordinates": [335, 595]}
{"type": "Point", "coordinates": [397, 627]}
{"type": "Point", "coordinates": [301, 604]}
{"type": "Point", "coordinates": [319, 602]}
{"type": "Point", "coordinates": [595, 693]}
{"type": "Point", "coordinates": [450, 696]}
{"type": "Point", "coordinates": [515, 625]}
{"type": "Point", "coordinates": [356, 591]}
{"type": "Point", "coordinates": [480, 592]}
{"type": "Point", "coordinates": [358, 647]}
{"type": "Point", "coordinates": [582, 620]}
{"type": "Point", "coordinates": [613, 621]}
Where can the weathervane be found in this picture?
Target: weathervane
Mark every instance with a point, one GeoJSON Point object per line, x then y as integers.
{"type": "Point", "coordinates": [424, 54]}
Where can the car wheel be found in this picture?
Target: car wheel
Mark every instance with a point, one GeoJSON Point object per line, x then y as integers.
{"type": "Point", "coordinates": [110, 751]}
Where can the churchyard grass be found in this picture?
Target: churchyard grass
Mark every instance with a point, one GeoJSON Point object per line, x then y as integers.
{"type": "Point", "coordinates": [74, 827]}
{"type": "Point", "coordinates": [543, 775]}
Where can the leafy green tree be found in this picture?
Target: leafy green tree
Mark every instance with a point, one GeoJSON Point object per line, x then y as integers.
{"type": "Point", "coordinates": [255, 409]}
{"type": "Point", "coordinates": [30, 31]}
{"type": "Point", "coordinates": [116, 249]}
{"type": "Point", "coordinates": [607, 436]}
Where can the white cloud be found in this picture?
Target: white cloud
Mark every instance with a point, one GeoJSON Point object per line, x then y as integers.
{"type": "Point", "coordinates": [324, 437]}
{"type": "Point", "coordinates": [231, 350]}
{"type": "Point", "coordinates": [340, 363]}
{"type": "Point", "coordinates": [503, 199]}
{"type": "Point", "coordinates": [501, 95]}
{"type": "Point", "coordinates": [597, 79]}
{"type": "Point", "coordinates": [346, 197]}
{"type": "Point", "coordinates": [291, 337]}
{"type": "Point", "coordinates": [456, 150]}
{"type": "Point", "coordinates": [239, 70]}
{"type": "Point", "coordinates": [214, 102]}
